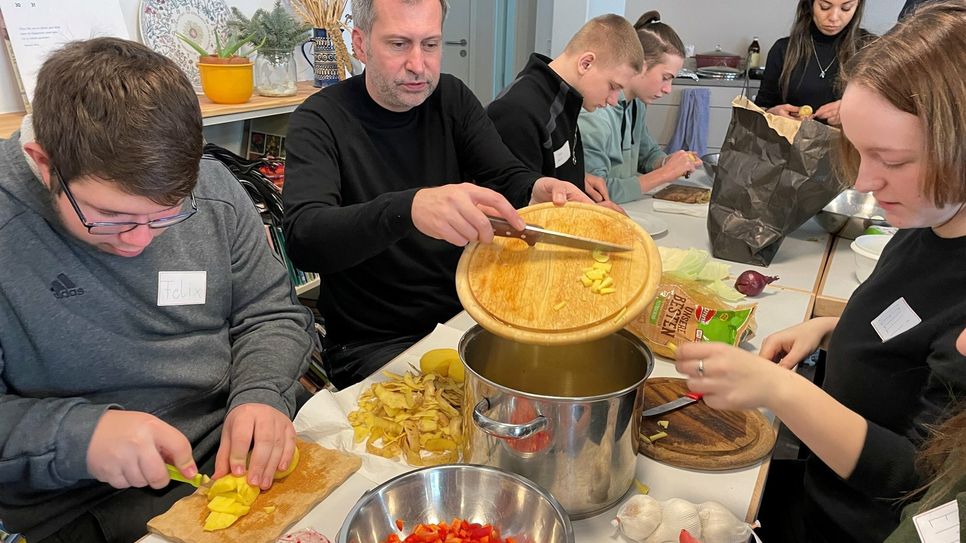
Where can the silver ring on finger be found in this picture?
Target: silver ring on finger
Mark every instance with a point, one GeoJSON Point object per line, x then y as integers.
{"type": "Point", "coordinates": [701, 367]}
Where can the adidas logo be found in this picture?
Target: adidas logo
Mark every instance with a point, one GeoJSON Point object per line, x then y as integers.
{"type": "Point", "coordinates": [63, 287]}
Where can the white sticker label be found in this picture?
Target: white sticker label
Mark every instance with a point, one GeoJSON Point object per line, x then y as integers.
{"type": "Point", "coordinates": [896, 319]}
{"type": "Point", "coordinates": [561, 155]}
{"type": "Point", "coordinates": [182, 287]}
{"type": "Point", "coordinates": [939, 525]}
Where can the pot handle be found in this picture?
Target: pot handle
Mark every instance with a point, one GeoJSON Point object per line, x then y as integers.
{"type": "Point", "coordinates": [503, 429]}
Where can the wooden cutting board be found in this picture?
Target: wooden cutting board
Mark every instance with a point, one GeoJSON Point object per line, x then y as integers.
{"type": "Point", "coordinates": [319, 472]}
{"type": "Point", "coordinates": [699, 437]}
{"type": "Point", "coordinates": [534, 294]}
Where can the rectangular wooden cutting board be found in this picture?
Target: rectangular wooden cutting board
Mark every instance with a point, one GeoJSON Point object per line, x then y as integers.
{"type": "Point", "coordinates": [319, 472]}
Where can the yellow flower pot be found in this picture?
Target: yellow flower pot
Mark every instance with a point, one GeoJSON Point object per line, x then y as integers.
{"type": "Point", "coordinates": [226, 83]}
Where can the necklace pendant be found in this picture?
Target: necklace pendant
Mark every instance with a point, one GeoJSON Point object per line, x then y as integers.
{"type": "Point", "coordinates": [822, 75]}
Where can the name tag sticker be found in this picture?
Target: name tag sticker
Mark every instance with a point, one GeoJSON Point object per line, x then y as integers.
{"type": "Point", "coordinates": [939, 525]}
{"type": "Point", "coordinates": [182, 287]}
{"type": "Point", "coordinates": [561, 155]}
{"type": "Point", "coordinates": [896, 319]}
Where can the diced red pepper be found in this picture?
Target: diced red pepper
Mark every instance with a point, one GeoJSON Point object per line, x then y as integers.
{"type": "Point", "coordinates": [686, 537]}
{"type": "Point", "coordinates": [457, 531]}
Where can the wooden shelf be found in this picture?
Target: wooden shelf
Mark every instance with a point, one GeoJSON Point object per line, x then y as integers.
{"type": "Point", "coordinates": [258, 106]}
{"type": "Point", "coordinates": [10, 123]}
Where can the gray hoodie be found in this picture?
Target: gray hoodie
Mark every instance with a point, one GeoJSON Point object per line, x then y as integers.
{"type": "Point", "coordinates": [82, 331]}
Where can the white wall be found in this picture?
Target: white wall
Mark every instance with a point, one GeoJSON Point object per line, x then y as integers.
{"type": "Point", "coordinates": [10, 96]}
{"type": "Point", "coordinates": [732, 23]}
{"type": "Point", "coordinates": [704, 23]}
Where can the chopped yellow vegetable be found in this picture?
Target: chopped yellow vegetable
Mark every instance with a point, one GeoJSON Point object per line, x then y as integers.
{"type": "Point", "coordinates": [641, 487]}
{"type": "Point", "coordinates": [597, 277]}
{"type": "Point", "coordinates": [663, 424]}
{"type": "Point", "coordinates": [227, 504]}
{"type": "Point", "coordinates": [219, 521]}
{"type": "Point", "coordinates": [657, 436]}
{"type": "Point", "coordinates": [559, 305]}
{"type": "Point", "coordinates": [270, 509]}
{"type": "Point", "coordinates": [225, 485]}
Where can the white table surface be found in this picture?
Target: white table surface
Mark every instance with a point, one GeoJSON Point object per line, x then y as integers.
{"type": "Point", "coordinates": [799, 263]}
{"type": "Point", "coordinates": [840, 278]}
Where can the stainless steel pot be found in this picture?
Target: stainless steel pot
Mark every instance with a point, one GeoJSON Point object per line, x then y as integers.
{"type": "Point", "coordinates": [566, 417]}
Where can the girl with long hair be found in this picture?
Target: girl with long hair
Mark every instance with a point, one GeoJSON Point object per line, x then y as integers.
{"type": "Point", "coordinates": [802, 68]}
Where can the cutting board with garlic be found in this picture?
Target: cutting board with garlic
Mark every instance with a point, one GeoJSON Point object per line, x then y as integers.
{"type": "Point", "coordinates": [273, 511]}
{"type": "Point", "coordinates": [698, 437]}
{"type": "Point", "coordinates": [550, 294]}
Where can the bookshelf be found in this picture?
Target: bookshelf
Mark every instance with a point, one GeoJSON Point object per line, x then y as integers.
{"type": "Point", "coordinates": [212, 113]}
{"type": "Point", "coordinates": [304, 289]}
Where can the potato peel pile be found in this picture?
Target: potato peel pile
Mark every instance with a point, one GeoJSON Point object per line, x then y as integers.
{"type": "Point", "coordinates": [416, 416]}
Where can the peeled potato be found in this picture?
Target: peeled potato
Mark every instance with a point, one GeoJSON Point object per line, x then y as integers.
{"type": "Point", "coordinates": [456, 370]}
{"type": "Point", "coordinates": [281, 474]}
{"type": "Point", "coordinates": [291, 467]}
{"type": "Point", "coordinates": [438, 361]}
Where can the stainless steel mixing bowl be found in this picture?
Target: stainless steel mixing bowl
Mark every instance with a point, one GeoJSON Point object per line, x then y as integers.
{"type": "Point", "coordinates": [850, 213]}
{"type": "Point", "coordinates": [482, 494]}
{"type": "Point", "coordinates": [710, 162]}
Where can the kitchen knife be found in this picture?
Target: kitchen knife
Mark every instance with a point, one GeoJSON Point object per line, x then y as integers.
{"type": "Point", "coordinates": [198, 480]}
{"type": "Point", "coordinates": [534, 234]}
{"type": "Point", "coordinates": [690, 397]}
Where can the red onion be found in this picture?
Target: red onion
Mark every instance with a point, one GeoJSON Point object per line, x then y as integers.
{"type": "Point", "coordinates": [751, 283]}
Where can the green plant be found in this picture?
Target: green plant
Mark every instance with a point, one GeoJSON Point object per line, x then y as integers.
{"type": "Point", "coordinates": [221, 51]}
{"type": "Point", "coordinates": [276, 29]}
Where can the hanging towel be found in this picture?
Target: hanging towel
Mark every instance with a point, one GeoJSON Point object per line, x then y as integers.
{"type": "Point", "coordinates": [691, 133]}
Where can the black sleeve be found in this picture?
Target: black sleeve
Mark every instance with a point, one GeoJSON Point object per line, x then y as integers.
{"type": "Point", "coordinates": [519, 129]}
{"type": "Point", "coordinates": [769, 94]}
{"type": "Point", "coordinates": [488, 160]}
{"type": "Point", "coordinates": [321, 234]}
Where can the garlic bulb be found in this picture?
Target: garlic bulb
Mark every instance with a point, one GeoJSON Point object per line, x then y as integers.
{"type": "Point", "coordinates": [719, 525]}
{"type": "Point", "coordinates": [676, 515]}
{"type": "Point", "coordinates": [639, 516]}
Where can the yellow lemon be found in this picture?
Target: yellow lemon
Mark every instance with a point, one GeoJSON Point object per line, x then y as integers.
{"type": "Point", "coordinates": [438, 361]}
{"type": "Point", "coordinates": [805, 111]}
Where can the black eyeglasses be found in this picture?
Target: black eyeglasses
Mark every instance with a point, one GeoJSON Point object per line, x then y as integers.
{"type": "Point", "coordinates": [104, 228]}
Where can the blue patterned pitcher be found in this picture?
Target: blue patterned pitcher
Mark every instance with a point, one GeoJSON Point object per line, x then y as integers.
{"type": "Point", "coordinates": [325, 67]}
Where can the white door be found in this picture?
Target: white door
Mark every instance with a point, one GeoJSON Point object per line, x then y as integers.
{"type": "Point", "coordinates": [457, 49]}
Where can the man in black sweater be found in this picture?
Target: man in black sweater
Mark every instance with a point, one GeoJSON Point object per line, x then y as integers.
{"type": "Point", "coordinates": [536, 114]}
{"type": "Point", "coordinates": [371, 199]}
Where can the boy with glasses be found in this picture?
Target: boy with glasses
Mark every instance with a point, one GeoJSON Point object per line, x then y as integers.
{"type": "Point", "coordinates": [143, 318]}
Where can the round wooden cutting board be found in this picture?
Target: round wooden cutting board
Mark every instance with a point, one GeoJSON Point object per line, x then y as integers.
{"type": "Point", "coordinates": [534, 294]}
{"type": "Point", "coordinates": [699, 437]}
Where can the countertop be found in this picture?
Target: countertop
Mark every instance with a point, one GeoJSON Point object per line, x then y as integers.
{"type": "Point", "coordinates": [800, 263]}
{"type": "Point", "coordinates": [736, 83]}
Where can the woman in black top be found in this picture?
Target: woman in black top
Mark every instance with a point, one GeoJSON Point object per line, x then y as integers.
{"type": "Point", "coordinates": [892, 369]}
{"type": "Point", "coordinates": [802, 68]}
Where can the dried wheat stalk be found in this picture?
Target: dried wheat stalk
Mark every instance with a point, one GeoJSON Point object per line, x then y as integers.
{"type": "Point", "coordinates": [320, 13]}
